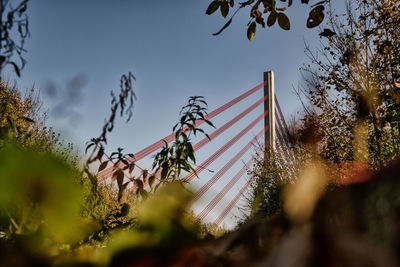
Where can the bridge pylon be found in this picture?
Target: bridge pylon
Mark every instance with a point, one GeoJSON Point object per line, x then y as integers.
{"type": "Point", "coordinates": [269, 105]}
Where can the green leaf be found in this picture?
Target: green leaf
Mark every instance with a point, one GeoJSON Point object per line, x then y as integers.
{"type": "Point", "coordinates": [16, 68]}
{"type": "Point", "coordinates": [213, 7]}
{"type": "Point", "coordinates": [164, 173]}
{"type": "Point", "coordinates": [88, 146]}
{"type": "Point", "coordinates": [316, 16]}
{"type": "Point", "coordinates": [251, 31]}
{"type": "Point", "coordinates": [271, 18]}
{"type": "Point", "coordinates": [143, 192]}
{"type": "Point", "coordinates": [283, 21]}
{"type": "Point", "coordinates": [145, 173]}
{"type": "Point", "coordinates": [151, 180]}
{"type": "Point", "coordinates": [121, 190]}
{"type": "Point", "coordinates": [100, 153]}
{"type": "Point", "coordinates": [102, 166]}
{"type": "Point", "coordinates": [131, 167]}
{"type": "Point", "coordinates": [119, 176]}
{"type": "Point", "coordinates": [126, 163]}
{"type": "Point", "coordinates": [139, 183]}
{"type": "Point", "coordinates": [124, 210]}
{"type": "Point", "coordinates": [224, 8]}
{"type": "Point", "coordinates": [209, 123]}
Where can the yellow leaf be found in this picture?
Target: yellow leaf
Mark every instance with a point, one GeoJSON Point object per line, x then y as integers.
{"type": "Point", "coordinates": [251, 31]}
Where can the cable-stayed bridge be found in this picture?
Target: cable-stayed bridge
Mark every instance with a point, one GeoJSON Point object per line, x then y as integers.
{"type": "Point", "coordinates": [273, 134]}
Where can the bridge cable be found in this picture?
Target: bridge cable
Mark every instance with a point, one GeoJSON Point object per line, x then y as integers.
{"type": "Point", "coordinates": [284, 142]}
{"type": "Point", "coordinates": [244, 188]}
{"type": "Point", "coordinates": [157, 145]}
{"type": "Point", "coordinates": [225, 147]}
{"type": "Point", "coordinates": [285, 126]}
{"type": "Point", "coordinates": [204, 141]}
{"type": "Point", "coordinates": [233, 202]}
{"type": "Point", "coordinates": [226, 189]}
{"type": "Point", "coordinates": [227, 166]}
{"type": "Point", "coordinates": [223, 128]}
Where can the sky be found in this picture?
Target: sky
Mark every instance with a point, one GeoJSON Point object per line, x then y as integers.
{"type": "Point", "coordinates": [169, 47]}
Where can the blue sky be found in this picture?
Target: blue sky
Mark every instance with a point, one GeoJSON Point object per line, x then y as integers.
{"type": "Point", "coordinates": [168, 46]}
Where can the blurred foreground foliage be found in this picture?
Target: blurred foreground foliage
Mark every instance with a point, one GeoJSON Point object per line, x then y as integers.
{"type": "Point", "coordinates": [40, 191]}
{"type": "Point", "coordinates": [336, 202]}
{"type": "Point", "coordinates": [54, 214]}
{"type": "Point", "coordinates": [351, 104]}
{"type": "Point", "coordinates": [44, 218]}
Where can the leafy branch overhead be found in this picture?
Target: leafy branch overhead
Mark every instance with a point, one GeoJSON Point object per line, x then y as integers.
{"type": "Point", "coordinates": [14, 25]}
{"type": "Point", "coordinates": [265, 12]}
{"type": "Point", "coordinates": [122, 104]}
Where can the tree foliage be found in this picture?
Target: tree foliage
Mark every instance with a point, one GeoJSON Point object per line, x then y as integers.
{"type": "Point", "coordinates": [352, 83]}
{"type": "Point", "coordinates": [352, 123]}
{"type": "Point", "coordinates": [48, 204]}
{"type": "Point", "coordinates": [265, 199]}
{"type": "Point", "coordinates": [265, 12]}
{"type": "Point", "coordinates": [14, 29]}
